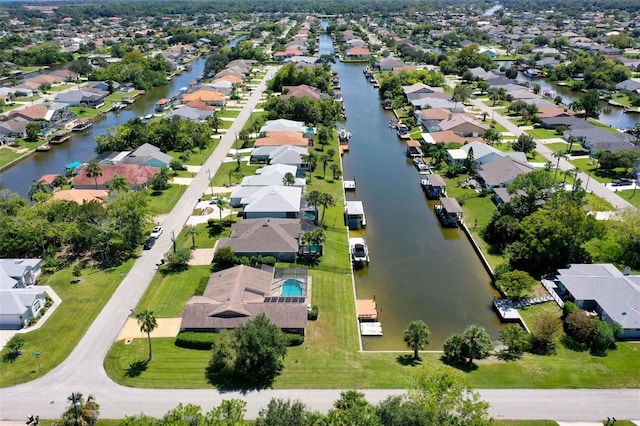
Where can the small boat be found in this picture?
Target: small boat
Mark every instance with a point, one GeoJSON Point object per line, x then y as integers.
{"type": "Point", "coordinates": [148, 117]}
{"type": "Point", "coordinates": [344, 135]}
{"type": "Point", "coordinates": [359, 251]}
{"type": "Point", "coordinates": [44, 148]}
{"type": "Point", "coordinates": [82, 126]}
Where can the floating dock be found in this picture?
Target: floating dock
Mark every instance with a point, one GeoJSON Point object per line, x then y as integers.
{"type": "Point", "coordinates": [349, 185]}
{"type": "Point", "coordinates": [370, 329]}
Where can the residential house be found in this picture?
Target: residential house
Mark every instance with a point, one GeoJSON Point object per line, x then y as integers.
{"type": "Point", "coordinates": [138, 176]}
{"type": "Point", "coordinates": [420, 88]}
{"type": "Point", "coordinates": [76, 98]}
{"type": "Point", "coordinates": [275, 201]}
{"type": "Point", "coordinates": [192, 113]}
{"type": "Point", "coordinates": [282, 124]}
{"type": "Point", "coordinates": [18, 306]}
{"type": "Point", "coordinates": [236, 295]}
{"type": "Point", "coordinates": [13, 128]}
{"type": "Point", "coordinates": [282, 138]}
{"type": "Point", "coordinates": [436, 102]}
{"type": "Point", "coordinates": [357, 53]}
{"type": "Point", "coordinates": [288, 53]}
{"type": "Point", "coordinates": [148, 155]}
{"type": "Point", "coordinates": [464, 125]}
{"type": "Point", "coordinates": [301, 91]}
{"type": "Point", "coordinates": [19, 273]}
{"type": "Point", "coordinates": [482, 153]}
{"type": "Point", "coordinates": [502, 172]}
{"type": "Point", "coordinates": [279, 238]}
{"type": "Point", "coordinates": [209, 97]}
{"type": "Point", "coordinates": [613, 295]}
{"type": "Point", "coordinates": [442, 137]}
{"type": "Point", "coordinates": [388, 64]}
{"type": "Point", "coordinates": [106, 86]}
{"type": "Point", "coordinates": [286, 154]}
{"type": "Point", "coordinates": [81, 196]}
{"type": "Point", "coordinates": [274, 175]}
{"type": "Point", "coordinates": [49, 115]}
{"type": "Point", "coordinates": [629, 85]}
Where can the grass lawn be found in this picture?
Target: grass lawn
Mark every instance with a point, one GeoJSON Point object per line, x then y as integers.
{"type": "Point", "coordinates": [557, 146]}
{"type": "Point", "coordinates": [598, 204]}
{"type": "Point", "coordinates": [229, 113]}
{"type": "Point", "coordinates": [603, 126]}
{"type": "Point", "coordinates": [499, 127]}
{"type": "Point", "coordinates": [621, 99]}
{"type": "Point", "coordinates": [61, 87]}
{"type": "Point", "coordinates": [196, 157]}
{"type": "Point", "coordinates": [587, 165]}
{"type": "Point", "coordinates": [632, 196]}
{"type": "Point", "coordinates": [9, 154]}
{"type": "Point", "coordinates": [534, 156]}
{"type": "Point", "coordinates": [63, 330]}
{"type": "Point", "coordinates": [543, 134]}
{"type": "Point", "coordinates": [223, 178]}
{"type": "Point", "coordinates": [163, 202]}
{"type": "Point", "coordinates": [85, 112]}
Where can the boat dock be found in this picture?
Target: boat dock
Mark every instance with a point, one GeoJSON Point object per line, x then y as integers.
{"type": "Point", "coordinates": [354, 215]}
{"type": "Point", "coordinates": [349, 185]}
{"type": "Point", "coordinates": [368, 317]}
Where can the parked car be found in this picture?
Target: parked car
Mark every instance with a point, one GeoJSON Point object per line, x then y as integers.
{"type": "Point", "coordinates": [157, 231]}
{"type": "Point", "coordinates": [149, 243]}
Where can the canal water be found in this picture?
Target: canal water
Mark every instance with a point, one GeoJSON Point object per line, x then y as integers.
{"type": "Point", "coordinates": [418, 270]}
{"type": "Point", "coordinates": [612, 116]}
{"type": "Point", "coordinates": [82, 146]}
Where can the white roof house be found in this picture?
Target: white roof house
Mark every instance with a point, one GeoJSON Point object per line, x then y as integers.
{"type": "Point", "coordinates": [273, 175]}
{"type": "Point", "coordinates": [614, 295]}
{"type": "Point", "coordinates": [18, 305]}
{"type": "Point", "coordinates": [282, 125]}
{"type": "Point", "coordinates": [482, 153]}
{"type": "Point", "coordinates": [286, 154]}
{"type": "Point", "coordinates": [273, 201]}
{"type": "Point", "coordinates": [18, 273]}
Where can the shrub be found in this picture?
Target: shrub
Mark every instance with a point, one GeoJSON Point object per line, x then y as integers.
{"type": "Point", "coordinates": [179, 260]}
{"type": "Point", "coordinates": [195, 340]}
{"type": "Point", "coordinates": [312, 315]}
{"type": "Point", "coordinates": [202, 284]}
{"type": "Point", "coordinates": [176, 164]}
{"type": "Point", "coordinates": [568, 308]}
{"type": "Point", "coordinates": [269, 260]}
{"type": "Point", "coordinates": [294, 339]}
{"type": "Point", "coordinates": [33, 320]}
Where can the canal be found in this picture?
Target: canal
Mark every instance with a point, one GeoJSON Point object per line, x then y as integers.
{"type": "Point", "coordinates": [82, 146]}
{"type": "Point", "coordinates": [418, 270]}
{"type": "Point", "coordinates": [612, 116]}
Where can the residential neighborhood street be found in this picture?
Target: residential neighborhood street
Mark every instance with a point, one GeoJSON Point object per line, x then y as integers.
{"type": "Point", "coordinates": [593, 185]}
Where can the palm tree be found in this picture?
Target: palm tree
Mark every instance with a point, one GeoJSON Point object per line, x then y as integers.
{"type": "Point", "coordinates": [323, 136]}
{"type": "Point", "coordinates": [80, 412]}
{"type": "Point", "coordinates": [193, 231]}
{"type": "Point", "coordinates": [558, 155]}
{"type": "Point", "coordinates": [335, 170]}
{"type": "Point", "coordinates": [215, 121]}
{"type": "Point", "coordinates": [59, 181]}
{"type": "Point", "coordinates": [324, 159]}
{"type": "Point", "coordinates": [325, 201]}
{"type": "Point", "coordinates": [38, 187]}
{"type": "Point", "coordinates": [147, 322]}
{"type": "Point", "coordinates": [221, 204]}
{"type": "Point", "coordinates": [288, 179]}
{"type": "Point", "coordinates": [477, 343]}
{"type": "Point", "coordinates": [438, 153]}
{"type": "Point", "coordinates": [94, 170]}
{"type": "Point", "coordinates": [118, 183]}
{"type": "Point", "coordinates": [416, 336]}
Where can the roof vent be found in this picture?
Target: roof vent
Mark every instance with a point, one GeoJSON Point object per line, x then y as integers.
{"type": "Point", "coordinates": [624, 314]}
{"type": "Point", "coordinates": [627, 270]}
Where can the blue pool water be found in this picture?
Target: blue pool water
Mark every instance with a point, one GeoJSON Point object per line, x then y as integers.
{"type": "Point", "coordinates": [310, 215]}
{"type": "Point", "coordinates": [292, 287]}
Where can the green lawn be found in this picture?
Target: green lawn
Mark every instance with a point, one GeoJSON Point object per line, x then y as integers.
{"type": "Point", "coordinates": [631, 195]}
{"type": "Point", "coordinates": [543, 133]}
{"type": "Point", "coordinates": [196, 157]}
{"type": "Point", "coordinates": [598, 204]}
{"type": "Point", "coordinates": [163, 202]}
{"type": "Point", "coordinates": [589, 166]}
{"type": "Point", "coordinates": [9, 154]}
{"type": "Point", "coordinates": [229, 113]}
{"type": "Point", "coordinates": [222, 177]}
{"type": "Point", "coordinates": [80, 305]}
{"type": "Point", "coordinates": [557, 146]}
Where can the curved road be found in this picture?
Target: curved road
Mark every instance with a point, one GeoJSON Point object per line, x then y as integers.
{"type": "Point", "coordinates": [83, 371]}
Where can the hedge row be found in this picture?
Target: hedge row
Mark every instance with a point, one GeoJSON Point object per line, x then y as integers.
{"type": "Point", "coordinates": [195, 340]}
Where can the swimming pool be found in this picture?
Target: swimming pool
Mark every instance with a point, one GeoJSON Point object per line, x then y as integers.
{"type": "Point", "coordinates": [292, 287]}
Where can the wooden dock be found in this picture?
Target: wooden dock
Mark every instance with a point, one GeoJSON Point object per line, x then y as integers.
{"type": "Point", "coordinates": [367, 310]}
{"type": "Point", "coordinates": [343, 147]}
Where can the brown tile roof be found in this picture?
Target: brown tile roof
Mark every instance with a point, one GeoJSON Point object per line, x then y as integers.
{"type": "Point", "coordinates": [48, 178]}
{"type": "Point", "coordinates": [552, 111]}
{"type": "Point", "coordinates": [281, 139]}
{"type": "Point", "coordinates": [229, 78]}
{"type": "Point", "coordinates": [203, 95]}
{"type": "Point", "coordinates": [436, 113]}
{"type": "Point", "coordinates": [201, 106]}
{"type": "Point", "coordinates": [81, 196]}
{"type": "Point", "coordinates": [264, 235]}
{"type": "Point", "coordinates": [34, 112]}
{"type": "Point", "coordinates": [234, 296]}
{"type": "Point", "coordinates": [136, 175]}
{"type": "Point", "coordinates": [446, 136]}
{"type": "Point", "coordinates": [358, 51]}
{"type": "Point", "coordinates": [301, 91]}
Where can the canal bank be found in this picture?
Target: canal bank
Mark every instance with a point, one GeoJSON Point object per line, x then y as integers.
{"type": "Point", "coordinates": [82, 146]}
{"type": "Point", "coordinates": [418, 271]}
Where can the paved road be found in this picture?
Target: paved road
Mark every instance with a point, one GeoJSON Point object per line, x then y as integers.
{"type": "Point", "coordinates": [593, 185]}
{"type": "Point", "coordinates": [83, 370]}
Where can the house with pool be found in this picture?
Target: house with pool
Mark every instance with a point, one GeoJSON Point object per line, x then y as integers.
{"type": "Point", "coordinates": [236, 295]}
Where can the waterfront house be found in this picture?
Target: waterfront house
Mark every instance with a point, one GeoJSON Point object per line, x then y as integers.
{"type": "Point", "coordinates": [442, 137]}
{"type": "Point", "coordinates": [613, 295]}
{"type": "Point", "coordinates": [76, 98]}
{"type": "Point", "coordinates": [209, 97]}
{"type": "Point", "coordinates": [464, 125]}
{"type": "Point", "coordinates": [283, 138]}
{"type": "Point", "coordinates": [189, 112]}
{"type": "Point", "coordinates": [48, 115]}
{"type": "Point", "coordinates": [274, 201]}
{"type": "Point", "coordinates": [222, 86]}
{"type": "Point", "coordinates": [138, 176]}
{"type": "Point", "coordinates": [285, 154]}
{"type": "Point", "coordinates": [388, 64]}
{"type": "Point", "coordinates": [357, 53]}
{"type": "Point", "coordinates": [148, 155]}
{"type": "Point", "coordinates": [274, 175]}
{"type": "Point", "coordinates": [13, 128]}
{"type": "Point", "coordinates": [420, 88]}
{"type": "Point", "coordinates": [279, 238]}
{"type": "Point", "coordinates": [426, 102]}
{"type": "Point", "coordinates": [281, 125]}
{"type": "Point", "coordinates": [629, 85]}
{"type": "Point", "coordinates": [501, 172]}
{"type": "Point", "coordinates": [236, 295]}
{"type": "Point", "coordinates": [482, 153]}
{"type": "Point", "coordinates": [301, 91]}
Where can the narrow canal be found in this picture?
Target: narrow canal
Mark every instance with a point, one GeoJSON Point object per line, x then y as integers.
{"type": "Point", "coordinates": [82, 146]}
{"type": "Point", "coordinates": [418, 270]}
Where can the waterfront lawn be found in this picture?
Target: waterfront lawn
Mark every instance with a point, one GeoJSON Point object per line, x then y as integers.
{"type": "Point", "coordinates": [85, 112]}
{"type": "Point", "coordinates": [60, 334]}
{"type": "Point", "coordinates": [603, 126]}
{"type": "Point", "coordinates": [169, 291]}
{"type": "Point", "coordinates": [163, 202]}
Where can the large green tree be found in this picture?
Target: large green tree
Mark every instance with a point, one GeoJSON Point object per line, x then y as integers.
{"type": "Point", "coordinates": [80, 411]}
{"type": "Point", "coordinates": [249, 356]}
{"type": "Point", "coordinates": [94, 170]}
